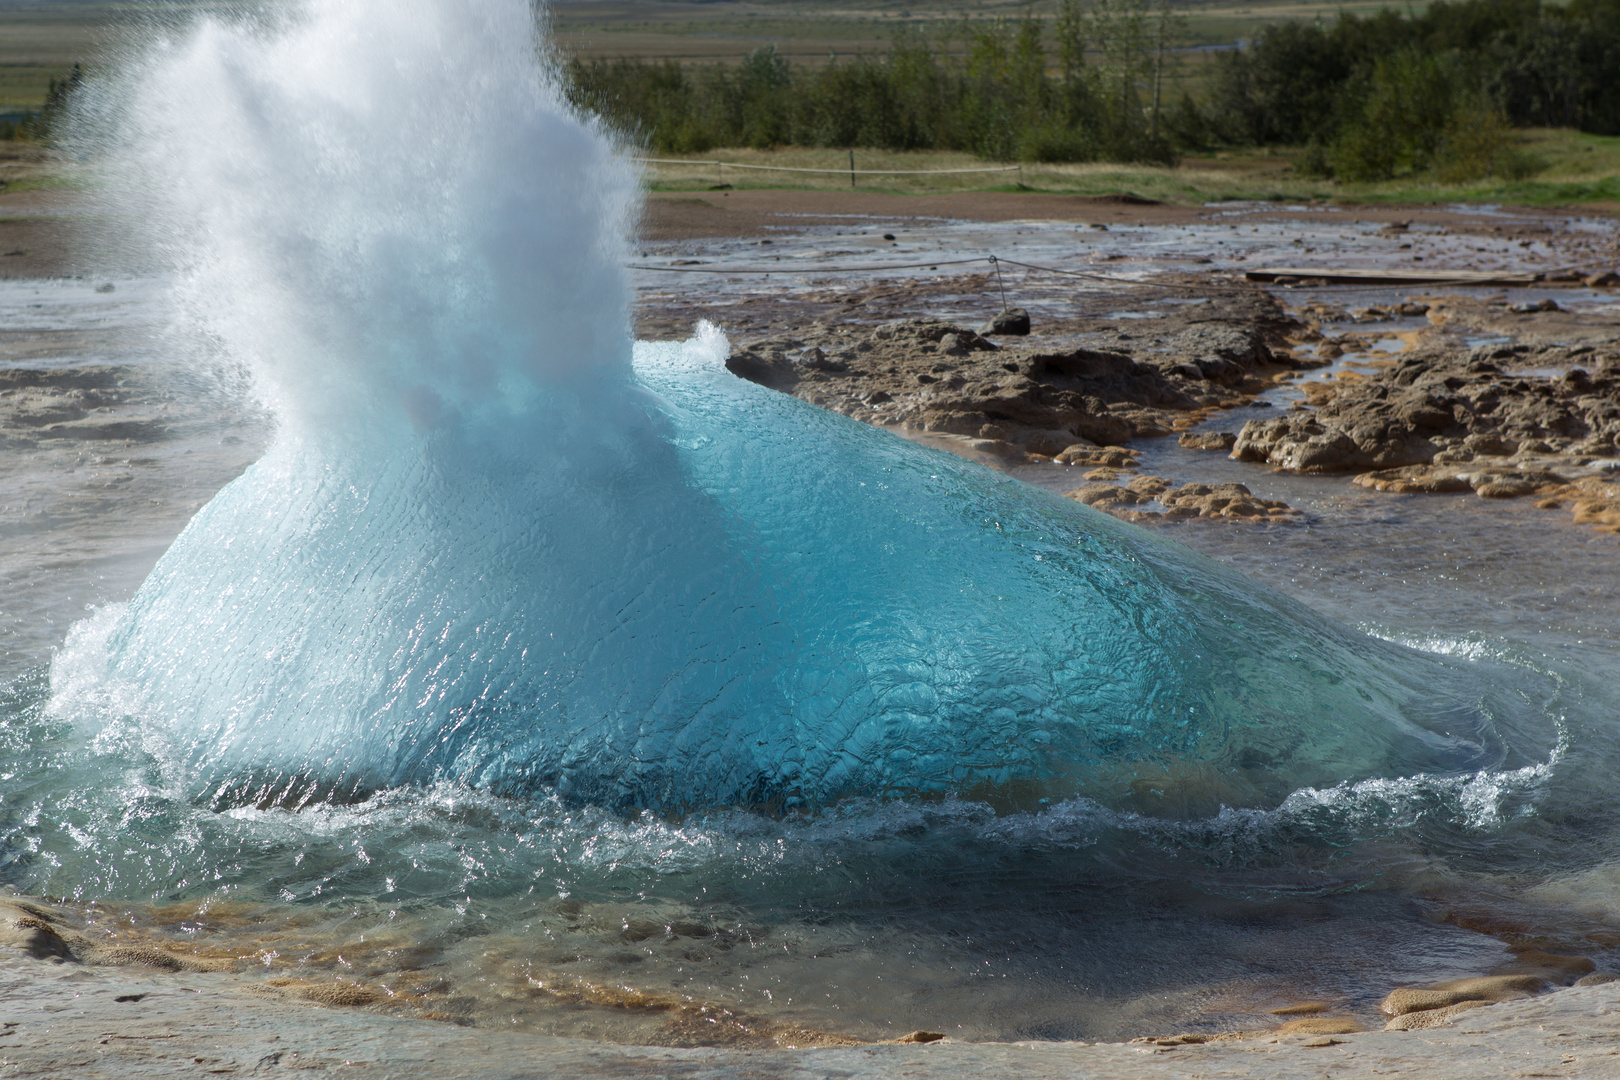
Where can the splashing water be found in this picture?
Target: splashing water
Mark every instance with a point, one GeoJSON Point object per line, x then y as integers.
{"type": "Point", "coordinates": [510, 593]}
{"type": "Point", "coordinates": [489, 546]}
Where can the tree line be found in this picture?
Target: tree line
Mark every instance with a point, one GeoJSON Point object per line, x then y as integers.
{"type": "Point", "coordinates": [37, 124]}
{"type": "Point", "coordinates": [1087, 88]}
{"type": "Point", "coordinates": [1367, 97]}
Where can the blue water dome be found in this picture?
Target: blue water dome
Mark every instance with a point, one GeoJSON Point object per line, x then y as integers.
{"type": "Point", "coordinates": [736, 598]}
{"type": "Point", "coordinates": [496, 542]}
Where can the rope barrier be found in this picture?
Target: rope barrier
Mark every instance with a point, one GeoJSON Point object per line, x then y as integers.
{"type": "Point", "coordinates": [832, 172]}
{"type": "Point", "coordinates": [804, 269]}
{"type": "Point", "coordinates": [993, 260]}
{"type": "Point", "coordinates": [996, 261]}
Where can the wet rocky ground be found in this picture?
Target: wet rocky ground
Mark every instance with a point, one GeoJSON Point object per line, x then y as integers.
{"type": "Point", "coordinates": [1534, 411]}
{"type": "Point", "coordinates": [69, 1010]}
{"type": "Point", "coordinates": [1427, 392]}
{"type": "Point", "coordinates": [185, 939]}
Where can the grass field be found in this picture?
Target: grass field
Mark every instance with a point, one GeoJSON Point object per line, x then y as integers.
{"type": "Point", "coordinates": [813, 30]}
{"type": "Point", "coordinates": [1575, 170]}
{"type": "Point", "coordinates": [42, 39]}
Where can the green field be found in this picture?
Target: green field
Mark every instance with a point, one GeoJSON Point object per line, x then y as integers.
{"type": "Point", "coordinates": [1576, 170]}
{"type": "Point", "coordinates": [43, 39]}
{"type": "Point", "coordinates": [809, 30]}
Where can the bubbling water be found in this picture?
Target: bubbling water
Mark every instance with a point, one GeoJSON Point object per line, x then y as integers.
{"type": "Point", "coordinates": [494, 544]}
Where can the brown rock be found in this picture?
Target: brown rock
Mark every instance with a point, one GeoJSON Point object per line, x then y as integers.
{"type": "Point", "coordinates": [1222, 500]}
{"type": "Point", "coordinates": [1432, 1018]}
{"type": "Point", "coordinates": [1014, 321]}
{"type": "Point", "coordinates": [1491, 442]}
{"type": "Point", "coordinates": [996, 448]}
{"type": "Point", "coordinates": [921, 1037]}
{"type": "Point", "coordinates": [31, 932]}
{"type": "Point", "coordinates": [1495, 987]}
{"type": "Point", "coordinates": [1302, 443]}
{"type": "Point", "coordinates": [1185, 1039]}
{"type": "Point", "coordinates": [1555, 964]}
{"type": "Point", "coordinates": [1092, 494]}
{"type": "Point", "coordinates": [345, 994]}
{"type": "Point", "coordinates": [1402, 1001]}
{"type": "Point", "coordinates": [1090, 454]}
{"type": "Point", "coordinates": [1414, 479]}
{"type": "Point", "coordinates": [1321, 1025]}
{"type": "Point", "coordinates": [1150, 486]}
{"type": "Point", "coordinates": [1597, 978]}
{"type": "Point", "coordinates": [1048, 442]}
{"type": "Point", "coordinates": [1207, 440]}
{"type": "Point", "coordinates": [1488, 988]}
{"type": "Point", "coordinates": [1305, 1008]}
{"type": "Point", "coordinates": [1511, 485]}
{"type": "Point", "coordinates": [1504, 489]}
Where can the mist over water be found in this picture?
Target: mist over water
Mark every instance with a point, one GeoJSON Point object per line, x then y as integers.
{"type": "Point", "coordinates": [531, 654]}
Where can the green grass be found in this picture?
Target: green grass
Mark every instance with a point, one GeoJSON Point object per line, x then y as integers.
{"type": "Point", "coordinates": [1575, 170]}
{"type": "Point", "coordinates": [43, 180]}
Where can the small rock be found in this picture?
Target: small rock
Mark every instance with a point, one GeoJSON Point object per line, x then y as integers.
{"type": "Point", "coordinates": [1187, 1039]}
{"type": "Point", "coordinates": [1321, 1025]}
{"type": "Point", "coordinates": [1207, 440]}
{"type": "Point", "coordinates": [31, 932]}
{"type": "Point", "coordinates": [816, 360]}
{"type": "Point", "coordinates": [1504, 488]}
{"type": "Point", "coordinates": [1150, 486]}
{"type": "Point", "coordinates": [1048, 442]}
{"type": "Point", "coordinates": [1306, 1008]}
{"type": "Point", "coordinates": [1432, 1018]}
{"type": "Point", "coordinates": [1486, 988]}
{"type": "Point", "coordinates": [1093, 494]}
{"type": "Point", "coordinates": [1321, 1040]}
{"type": "Point", "coordinates": [1557, 964]}
{"type": "Point", "coordinates": [1509, 485]}
{"type": "Point", "coordinates": [1601, 280]}
{"type": "Point", "coordinates": [1597, 978]}
{"type": "Point", "coordinates": [1087, 454]}
{"type": "Point", "coordinates": [921, 1037]}
{"type": "Point", "coordinates": [1013, 321]}
{"type": "Point", "coordinates": [951, 345]}
{"type": "Point", "coordinates": [1414, 479]}
{"type": "Point", "coordinates": [1488, 442]}
{"type": "Point", "coordinates": [997, 447]}
{"type": "Point", "coordinates": [344, 994]}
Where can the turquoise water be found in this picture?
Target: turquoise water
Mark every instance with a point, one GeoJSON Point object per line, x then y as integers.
{"type": "Point", "coordinates": [530, 668]}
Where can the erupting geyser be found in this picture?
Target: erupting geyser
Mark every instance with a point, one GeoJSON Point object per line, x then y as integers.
{"type": "Point", "coordinates": [496, 542]}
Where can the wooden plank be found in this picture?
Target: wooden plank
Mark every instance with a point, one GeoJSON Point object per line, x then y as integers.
{"type": "Point", "coordinates": [1354, 276]}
